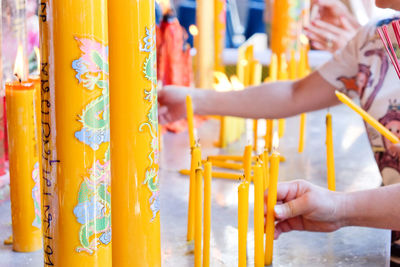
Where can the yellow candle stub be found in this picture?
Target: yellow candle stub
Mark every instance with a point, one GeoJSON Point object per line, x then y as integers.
{"type": "Point", "coordinates": [368, 118]}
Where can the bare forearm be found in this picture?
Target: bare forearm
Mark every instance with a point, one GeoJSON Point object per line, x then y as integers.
{"type": "Point", "coordinates": [268, 100]}
{"type": "Point", "coordinates": [379, 208]}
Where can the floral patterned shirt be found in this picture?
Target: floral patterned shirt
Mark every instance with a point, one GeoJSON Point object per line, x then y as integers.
{"type": "Point", "coordinates": [363, 70]}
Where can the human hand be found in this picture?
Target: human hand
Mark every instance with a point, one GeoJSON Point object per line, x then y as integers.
{"type": "Point", "coordinates": [172, 103]}
{"type": "Point", "coordinates": [332, 26]}
{"type": "Point", "coordinates": [303, 206]}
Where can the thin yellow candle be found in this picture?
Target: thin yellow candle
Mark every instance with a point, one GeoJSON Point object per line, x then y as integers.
{"type": "Point", "coordinates": [222, 134]}
{"type": "Point", "coordinates": [219, 33]}
{"type": "Point", "coordinates": [330, 158]}
{"type": "Point", "coordinates": [195, 162]}
{"type": "Point", "coordinates": [302, 132]}
{"type": "Point", "coordinates": [281, 127]}
{"type": "Point", "coordinates": [272, 197]}
{"type": "Point", "coordinates": [198, 217]}
{"type": "Point", "coordinates": [247, 156]}
{"type": "Point", "coordinates": [207, 214]}
{"type": "Point", "coordinates": [283, 68]}
{"type": "Point", "coordinates": [24, 167]}
{"type": "Point", "coordinates": [205, 40]}
{"type": "Point", "coordinates": [255, 133]}
{"type": "Point", "coordinates": [189, 115]}
{"type": "Point", "coordinates": [243, 221]}
{"type": "Point", "coordinates": [222, 175]}
{"type": "Point", "coordinates": [134, 129]}
{"type": "Point", "coordinates": [225, 157]}
{"type": "Point", "coordinates": [266, 168]}
{"type": "Point", "coordinates": [368, 118]}
{"type": "Point", "coordinates": [227, 165]}
{"type": "Point", "coordinates": [268, 134]}
{"type": "Point", "coordinates": [258, 216]}
{"type": "Point", "coordinates": [273, 68]}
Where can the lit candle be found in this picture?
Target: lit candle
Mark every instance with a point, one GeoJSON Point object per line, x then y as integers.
{"type": "Point", "coordinates": [198, 217]}
{"type": "Point", "coordinates": [134, 129]}
{"type": "Point", "coordinates": [207, 214]}
{"type": "Point", "coordinates": [247, 156]}
{"type": "Point", "coordinates": [195, 162]}
{"type": "Point", "coordinates": [189, 115]}
{"type": "Point", "coordinates": [243, 220]}
{"type": "Point", "coordinates": [258, 215]}
{"type": "Point", "coordinates": [272, 197]}
{"type": "Point", "coordinates": [329, 154]}
{"type": "Point", "coordinates": [24, 163]}
{"type": "Point", "coordinates": [302, 132]}
{"type": "Point", "coordinates": [219, 33]}
{"type": "Point", "coordinates": [368, 118]}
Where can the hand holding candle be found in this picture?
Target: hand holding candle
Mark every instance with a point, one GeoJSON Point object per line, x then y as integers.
{"type": "Point", "coordinates": [368, 118]}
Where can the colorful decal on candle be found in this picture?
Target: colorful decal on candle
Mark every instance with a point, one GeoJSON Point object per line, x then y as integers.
{"type": "Point", "coordinates": [94, 208]}
{"type": "Point", "coordinates": [37, 222]}
{"type": "Point", "coordinates": [149, 70]}
{"type": "Point", "coordinates": [92, 72]}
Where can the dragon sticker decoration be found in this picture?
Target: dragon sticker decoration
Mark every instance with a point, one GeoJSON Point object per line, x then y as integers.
{"type": "Point", "coordinates": [151, 124]}
{"type": "Point", "coordinates": [93, 210]}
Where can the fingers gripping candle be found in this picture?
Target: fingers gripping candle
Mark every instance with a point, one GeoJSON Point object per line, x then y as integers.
{"type": "Point", "coordinates": [75, 122]}
{"type": "Point", "coordinates": [134, 149]}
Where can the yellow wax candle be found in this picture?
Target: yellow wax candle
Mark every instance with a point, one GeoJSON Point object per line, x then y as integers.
{"type": "Point", "coordinates": [189, 115]}
{"type": "Point", "coordinates": [228, 165]}
{"type": "Point", "coordinates": [205, 40]}
{"type": "Point", "coordinates": [243, 220]}
{"type": "Point", "coordinates": [330, 158]}
{"type": "Point", "coordinates": [222, 134]}
{"type": "Point", "coordinates": [195, 162]}
{"type": "Point", "coordinates": [24, 167]}
{"type": "Point", "coordinates": [134, 127]}
{"type": "Point", "coordinates": [258, 216]}
{"type": "Point", "coordinates": [283, 68]}
{"type": "Point", "coordinates": [219, 33]}
{"type": "Point", "coordinates": [272, 197]}
{"type": "Point", "coordinates": [302, 132]}
{"type": "Point", "coordinates": [281, 127]}
{"type": "Point", "coordinates": [222, 175]}
{"type": "Point", "coordinates": [76, 163]}
{"type": "Point", "coordinates": [198, 217]}
{"type": "Point", "coordinates": [255, 133]}
{"type": "Point", "coordinates": [273, 68]}
{"type": "Point", "coordinates": [268, 134]}
{"type": "Point", "coordinates": [207, 214]}
{"type": "Point", "coordinates": [225, 157]}
{"type": "Point", "coordinates": [266, 168]}
{"type": "Point", "coordinates": [247, 162]}
{"type": "Point", "coordinates": [280, 26]}
{"type": "Point", "coordinates": [368, 118]}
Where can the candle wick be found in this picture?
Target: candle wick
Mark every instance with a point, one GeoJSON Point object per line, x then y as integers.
{"type": "Point", "coordinates": [18, 78]}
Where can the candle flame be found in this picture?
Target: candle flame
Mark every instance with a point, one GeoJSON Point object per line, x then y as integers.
{"type": "Point", "coordinates": [193, 30]}
{"type": "Point", "coordinates": [303, 39]}
{"type": "Point", "coordinates": [275, 141]}
{"type": "Point", "coordinates": [222, 83]}
{"type": "Point", "coordinates": [19, 64]}
{"type": "Point", "coordinates": [236, 83]}
{"type": "Point", "coordinates": [37, 53]}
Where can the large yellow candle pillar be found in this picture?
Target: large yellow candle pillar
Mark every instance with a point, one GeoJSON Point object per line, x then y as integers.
{"type": "Point", "coordinates": [24, 167]}
{"type": "Point", "coordinates": [75, 122]}
{"type": "Point", "coordinates": [134, 128]}
{"type": "Point", "coordinates": [205, 40]}
{"type": "Point", "coordinates": [330, 158]}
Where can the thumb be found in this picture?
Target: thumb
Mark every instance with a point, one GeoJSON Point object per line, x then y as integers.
{"type": "Point", "coordinates": [291, 209]}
